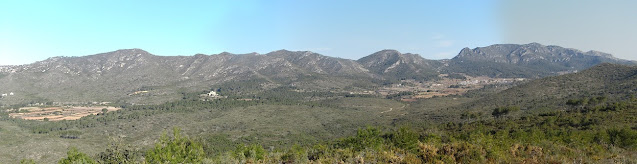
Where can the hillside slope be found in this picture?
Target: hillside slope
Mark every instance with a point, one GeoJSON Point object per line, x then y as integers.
{"type": "Point", "coordinates": [613, 81]}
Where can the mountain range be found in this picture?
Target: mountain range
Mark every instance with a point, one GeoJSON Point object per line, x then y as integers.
{"type": "Point", "coordinates": [528, 60]}
{"type": "Point", "coordinates": [118, 75]}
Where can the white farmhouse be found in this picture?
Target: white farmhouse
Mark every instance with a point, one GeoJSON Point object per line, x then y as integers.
{"type": "Point", "coordinates": [11, 94]}
{"type": "Point", "coordinates": [212, 94]}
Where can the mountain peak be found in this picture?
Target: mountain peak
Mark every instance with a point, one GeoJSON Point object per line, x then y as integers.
{"type": "Point", "coordinates": [601, 54]}
{"type": "Point", "coordinates": [225, 53]}
{"type": "Point", "coordinates": [464, 52]}
{"type": "Point", "coordinates": [281, 51]}
{"type": "Point", "coordinates": [388, 52]}
{"type": "Point", "coordinates": [126, 53]}
{"type": "Point", "coordinates": [133, 51]}
{"type": "Point", "coordinates": [284, 52]}
{"type": "Point", "coordinates": [397, 65]}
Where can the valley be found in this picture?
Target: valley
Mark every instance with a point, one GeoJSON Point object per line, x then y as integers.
{"type": "Point", "coordinates": [443, 87]}
{"type": "Point", "coordinates": [318, 82]}
{"type": "Point", "coordinates": [300, 106]}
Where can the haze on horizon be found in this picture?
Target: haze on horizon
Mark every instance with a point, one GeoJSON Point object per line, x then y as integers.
{"type": "Point", "coordinates": [31, 30]}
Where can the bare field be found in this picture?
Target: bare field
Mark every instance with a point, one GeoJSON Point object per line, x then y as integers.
{"type": "Point", "coordinates": [443, 87]}
{"type": "Point", "coordinates": [59, 113]}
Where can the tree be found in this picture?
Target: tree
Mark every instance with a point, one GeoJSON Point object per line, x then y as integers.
{"type": "Point", "coordinates": [76, 157]}
{"type": "Point", "coordinates": [573, 102]}
{"type": "Point", "coordinates": [624, 137]}
{"type": "Point", "coordinates": [369, 138]}
{"type": "Point", "coordinates": [104, 110]}
{"type": "Point", "coordinates": [500, 111]}
{"type": "Point", "coordinates": [118, 153]}
{"type": "Point", "coordinates": [405, 138]}
{"type": "Point", "coordinates": [176, 150]}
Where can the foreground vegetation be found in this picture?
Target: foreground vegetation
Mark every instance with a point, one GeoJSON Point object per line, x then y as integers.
{"type": "Point", "coordinates": [273, 120]}
{"type": "Point", "coordinates": [600, 132]}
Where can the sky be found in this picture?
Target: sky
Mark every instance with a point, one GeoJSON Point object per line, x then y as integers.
{"type": "Point", "coordinates": [36, 30]}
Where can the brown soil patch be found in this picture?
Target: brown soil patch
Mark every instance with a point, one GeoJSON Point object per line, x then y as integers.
{"type": "Point", "coordinates": [59, 113]}
{"type": "Point", "coordinates": [443, 87]}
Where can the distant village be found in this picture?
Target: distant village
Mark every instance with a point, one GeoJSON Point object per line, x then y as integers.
{"type": "Point", "coordinates": [7, 94]}
{"type": "Point", "coordinates": [445, 86]}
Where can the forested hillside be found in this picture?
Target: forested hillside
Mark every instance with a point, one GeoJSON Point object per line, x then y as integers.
{"type": "Point", "coordinates": [588, 134]}
{"type": "Point", "coordinates": [606, 81]}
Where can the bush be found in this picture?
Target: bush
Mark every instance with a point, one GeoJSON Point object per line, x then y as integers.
{"type": "Point", "coordinates": [119, 153]}
{"type": "Point", "coordinates": [253, 152]}
{"type": "Point", "coordinates": [405, 138]}
{"type": "Point", "coordinates": [364, 139]}
{"type": "Point", "coordinates": [500, 111]}
{"type": "Point", "coordinates": [70, 134]}
{"type": "Point", "coordinates": [625, 138]}
{"type": "Point", "coordinates": [296, 154]}
{"type": "Point", "coordinates": [76, 157]}
{"type": "Point", "coordinates": [27, 161]}
{"type": "Point", "coordinates": [176, 150]}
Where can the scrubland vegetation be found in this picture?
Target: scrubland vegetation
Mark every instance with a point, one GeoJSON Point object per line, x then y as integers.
{"type": "Point", "coordinates": [592, 121]}
{"type": "Point", "coordinates": [599, 131]}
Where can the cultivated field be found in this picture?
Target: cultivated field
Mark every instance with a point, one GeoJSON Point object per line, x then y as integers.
{"type": "Point", "coordinates": [59, 113]}
{"type": "Point", "coordinates": [443, 87]}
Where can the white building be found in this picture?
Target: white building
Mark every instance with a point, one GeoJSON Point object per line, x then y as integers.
{"type": "Point", "coordinates": [11, 94]}
{"type": "Point", "coordinates": [212, 94]}
{"type": "Point", "coordinates": [4, 95]}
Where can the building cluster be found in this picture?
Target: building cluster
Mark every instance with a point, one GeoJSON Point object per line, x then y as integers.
{"type": "Point", "coordinates": [211, 95]}
{"type": "Point", "coordinates": [490, 81]}
{"type": "Point", "coordinates": [7, 94]}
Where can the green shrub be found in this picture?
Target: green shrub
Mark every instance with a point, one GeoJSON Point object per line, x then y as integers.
{"type": "Point", "coordinates": [500, 111]}
{"type": "Point", "coordinates": [625, 138]}
{"type": "Point", "coordinates": [119, 153]}
{"type": "Point", "coordinates": [175, 150]}
{"type": "Point", "coordinates": [369, 138]}
{"type": "Point", "coordinates": [253, 152]}
{"type": "Point", "coordinates": [76, 157]}
{"type": "Point", "coordinates": [27, 161]}
{"type": "Point", "coordinates": [405, 138]}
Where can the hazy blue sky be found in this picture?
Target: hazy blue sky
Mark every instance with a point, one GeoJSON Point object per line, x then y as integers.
{"type": "Point", "coordinates": [35, 30]}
